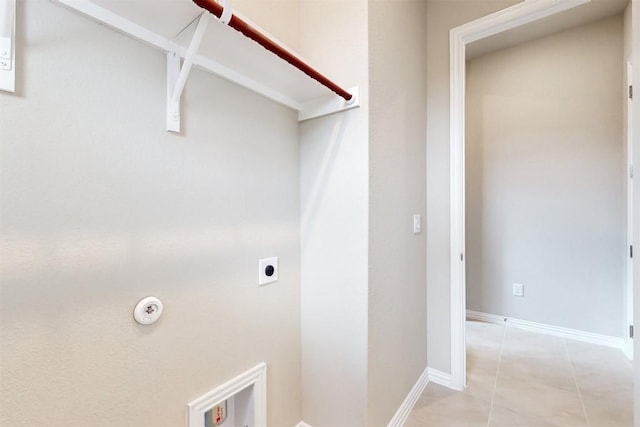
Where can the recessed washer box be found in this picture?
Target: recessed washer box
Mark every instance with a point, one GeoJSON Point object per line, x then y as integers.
{"type": "Point", "coordinates": [240, 402]}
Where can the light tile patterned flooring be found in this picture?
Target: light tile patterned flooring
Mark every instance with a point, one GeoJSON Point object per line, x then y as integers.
{"type": "Point", "coordinates": [520, 378]}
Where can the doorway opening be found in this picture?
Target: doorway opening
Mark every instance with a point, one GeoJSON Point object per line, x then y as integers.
{"type": "Point", "coordinates": [460, 37]}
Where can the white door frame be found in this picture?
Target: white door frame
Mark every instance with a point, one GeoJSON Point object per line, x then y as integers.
{"type": "Point", "coordinates": [514, 16]}
{"type": "Point", "coordinates": [628, 345]}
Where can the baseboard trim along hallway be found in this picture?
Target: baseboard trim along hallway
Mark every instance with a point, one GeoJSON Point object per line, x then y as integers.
{"type": "Point", "coordinates": [440, 378]}
{"type": "Point", "coordinates": [405, 409]}
{"type": "Point", "coordinates": [542, 328]}
{"type": "Point", "coordinates": [517, 377]}
{"type": "Point", "coordinates": [401, 415]}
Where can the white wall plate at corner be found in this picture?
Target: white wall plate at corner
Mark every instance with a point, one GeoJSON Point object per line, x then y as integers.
{"type": "Point", "coordinates": [8, 45]}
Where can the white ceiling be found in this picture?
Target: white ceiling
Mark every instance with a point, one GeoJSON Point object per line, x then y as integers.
{"type": "Point", "coordinates": [580, 15]}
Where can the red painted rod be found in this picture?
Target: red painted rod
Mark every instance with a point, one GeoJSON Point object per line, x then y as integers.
{"type": "Point", "coordinates": [246, 29]}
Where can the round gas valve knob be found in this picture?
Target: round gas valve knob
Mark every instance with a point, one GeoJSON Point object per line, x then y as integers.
{"type": "Point", "coordinates": [148, 310]}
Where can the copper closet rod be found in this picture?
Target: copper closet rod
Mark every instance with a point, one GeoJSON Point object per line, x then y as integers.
{"type": "Point", "coordinates": [246, 29]}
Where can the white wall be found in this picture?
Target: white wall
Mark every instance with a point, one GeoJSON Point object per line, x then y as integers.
{"type": "Point", "coordinates": [442, 15]}
{"type": "Point", "coordinates": [334, 186]}
{"type": "Point", "coordinates": [397, 257]}
{"type": "Point", "coordinates": [101, 207]}
{"type": "Point", "coordinates": [545, 179]}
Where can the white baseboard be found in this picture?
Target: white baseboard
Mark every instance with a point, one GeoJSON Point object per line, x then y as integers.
{"type": "Point", "coordinates": [401, 415]}
{"type": "Point", "coordinates": [439, 377]}
{"type": "Point", "coordinates": [542, 328]}
{"type": "Point", "coordinates": [405, 409]}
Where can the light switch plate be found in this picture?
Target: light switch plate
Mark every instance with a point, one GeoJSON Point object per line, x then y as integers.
{"type": "Point", "coordinates": [417, 223]}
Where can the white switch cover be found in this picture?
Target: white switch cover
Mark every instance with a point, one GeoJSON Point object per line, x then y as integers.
{"type": "Point", "coordinates": [267, 270]}
{"type": "Point", "coordinates": [417, 223]}
{"type": "Point", "coordinates": [518, 290]}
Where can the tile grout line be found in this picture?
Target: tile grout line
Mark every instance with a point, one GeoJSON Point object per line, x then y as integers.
{"type": "Point", "coordinates": [495, 383]}
{"type": "Point", "coordinates": [575, 380]}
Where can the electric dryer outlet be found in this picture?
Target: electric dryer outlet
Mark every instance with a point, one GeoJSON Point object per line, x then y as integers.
{"type": "Point", "coordinates": [267, 270]}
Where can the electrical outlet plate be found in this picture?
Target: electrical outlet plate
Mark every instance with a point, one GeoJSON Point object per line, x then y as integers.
{"type": "Point", "coordinates": [267, 270]}
{"type": "Point", "coordinates": [518, 290]}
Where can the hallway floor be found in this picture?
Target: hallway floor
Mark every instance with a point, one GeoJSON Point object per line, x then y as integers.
{"type": "Point", "coordinates": [520, 378]}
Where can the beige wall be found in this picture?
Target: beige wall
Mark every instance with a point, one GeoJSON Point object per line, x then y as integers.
{"type": "Point", "coordinates": [545, 176]}
{"type": "Point", "coordinates": [442, 15]}
{"type": "Point", "coordinates": [334, 188]}
{"type": "Point", "coordinates": [278, 18]}
{"type": "Point", "coordinates": [397, 257]}
{"type": "Point", "coordinates": [101, 207]}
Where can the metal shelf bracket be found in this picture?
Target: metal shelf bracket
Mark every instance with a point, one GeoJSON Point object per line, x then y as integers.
{"type": "Point", "coordinates": [8, 45]}
{"type": "Point", "coordinates": [177, 77]}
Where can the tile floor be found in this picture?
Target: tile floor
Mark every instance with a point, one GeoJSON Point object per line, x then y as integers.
{"type": "Point", "coordinates": [520, 378]}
